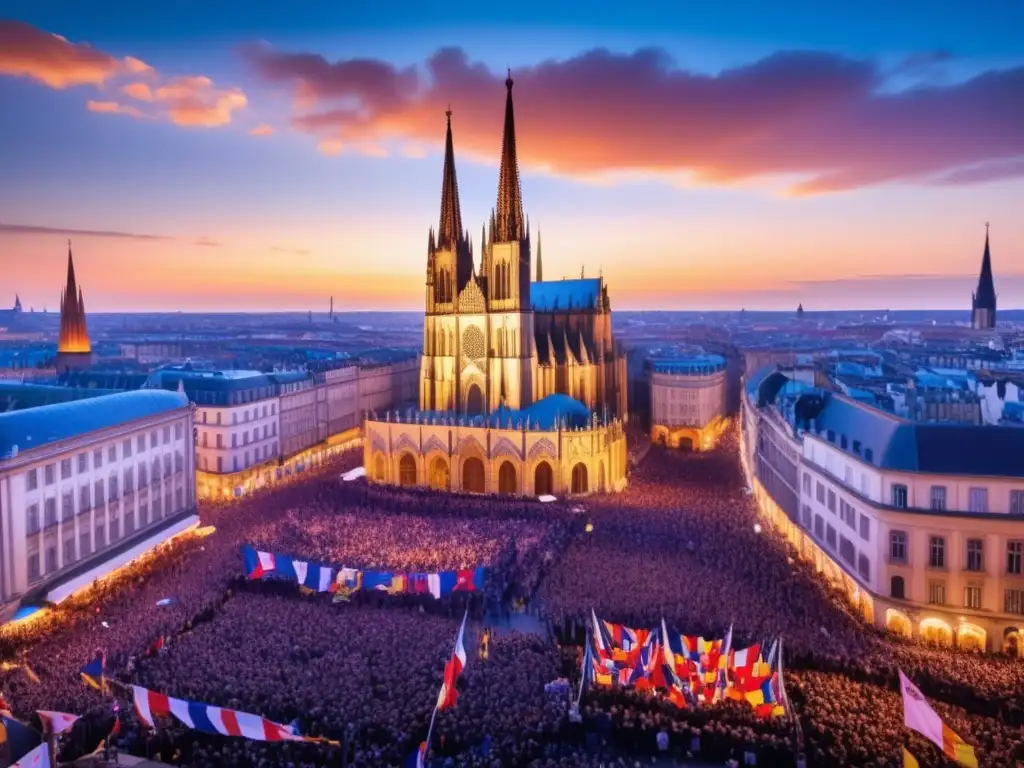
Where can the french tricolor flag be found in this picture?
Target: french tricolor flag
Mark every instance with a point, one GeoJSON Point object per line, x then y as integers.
{"type": "Point", "coordinates": [265, 563]}
{"type": "Point", "coordinates": [149, 704]}
{"type": "Point", "coordinates": [448, 696]}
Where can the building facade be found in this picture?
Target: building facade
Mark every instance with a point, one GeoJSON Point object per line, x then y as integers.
{"type": "Point", "coordinates": [81, 481]}
{"type": "Point", "coordinates": [688, 407]}
{"type": "Point", "coordinates": [921, 525]}
{"type": "Point", "coordinates": [521, 385]}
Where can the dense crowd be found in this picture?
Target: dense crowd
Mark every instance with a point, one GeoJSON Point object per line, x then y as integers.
{"type": "Point", "coordinates": [680, 544]}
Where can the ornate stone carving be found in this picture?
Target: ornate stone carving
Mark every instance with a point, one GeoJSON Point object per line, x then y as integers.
{"type": "Point", "coordinates": [471, 300]}
{"type": "Point", "coordinates": [378, 444]}
{"type": "Point", "coordinates": [578, 447]}
{"type": "Point", "coordinates": [542, 447]}
{"type": "Point", "coordinates": [474, 345]}
{"type": "Point", "coordinates": [504, 447]}
{"type": "Point", "coordinates": [406, 443]}
{"type": "Point", "coordinates": [434, 444]}
{"type": "Point", "coordinates": [470, 445]}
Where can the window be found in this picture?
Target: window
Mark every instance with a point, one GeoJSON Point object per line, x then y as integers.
{"type": "Point", "coordinates": [856, 447]}
{"type": "Point", "coordinates": [830, 536]}
{"type": "Point", "coordinates": [33, 567]}
{"type": "Point", "coordinates": [67, 505]}
{"type": "Point", "coordinates": [97, 458]}
{"type": "Point", "coordinates": [273, 409]}
{"type": "Point", "coordinates": [143, 476]}
{"type": "Point", "coordinates": [69, 551]}
{"type": "Point", "coordinates": [167, 465]}
{"type": "Point", "coordinates": [153, 440]}
{"type": "Point", "coordinates": [129, 522]}
{"type": "Point", "coordinates": [179, 498]}
{"type": "Point", "coordinates": [51, 559]}
{"type": "Point", "coordinates": [848, 475]}
{"type": "Point", "coordinates": [218, 417]}
{"type": "Point", "coordinates": [898, 547]}
{"type": "Point", "coordinates": [843, 442]}
{"type": "Point", "coordinates": [98, 495]}
{"type": "Point", "coordinates": [50, 473]}
{"type": "Point", "coordinates": [234, 440]}
{"type": "Point", "coordinates": [972, 598]}
{"type": "Point", "coordinates": [220, 441]}
{"type": "Point", "coordinates": [1017, 502]}
{"type": "Point", "coordinates": [50, 512]}
{"type": "Point", "coordinates": [820, 492]}
{"type": "Point", "coordinates": [101, 536]}
{"type": "Point", "coordinates": [65, 469]}
{"type": "Point", "coordinates": [33, 479]}
{"type": "Point", "coordinates": [805, 517]}
{"type": "Point", "coordinates": [126, 448]}
{"type": "Point", "coordinates": [865, 527]}
{"type": "Point", "coordinates": [112, 454]}
{"type": "Point", "coordinates": [978, 500]}
{"type": "Point", "coordinates": [831, 435]}
{"type": "Point", "coordinates": [245, 438]}
{"type": "Point", "coordinates": [85, 544]}
{"type": "Point", "coordinates": [246, 458]}
{"type": "Point", "coordinates": [936, 593]}
{"type": "Point", "coordinates": [179, 463]}
{"type": "Point", "coordinates": [975, 560]}
{"type": "Point", "coordinates": [167, 503]}
{"type": "Point", "coordinates": [32, 519]}
{"type": "Point", "coordinates": [167, 434]}
{"type": "Point", "coordinates": [234, 462]}
{"type": "Point", "coordinates": [1014, 557]}
{"type": "Point", "coordinates": [832, 501]}
{"type": "Point", "coordinates": [179, 431]}
{"type": "Point", "coordinates": [846, 550]}
{"type": "Point", "coordinates": [143, 515]}
{"type": "Point", "coordinates": [899, 496]}
{"type": "Point", "coordinates": [1013, 601]}
{"type": "Point", "coordinates": [939, 498]}
{"type": "Point", "coordinates": [937, 552]}
{"type": "Point", "coordinates": [864, 567]}
{"type": "Point", "coordinates": [157, 508]}
{"type": "Point", "coordinates": [897, 588]}
{"type": "Point", "coordinates": [140, 443]}
{"type": "Point", "coordinates": [113, 489]}
{"type": "Point", "coordinates": [115, 530]}
{"type": "Point", "coordinates": [220, 463]}
{"type": "Point", "coordinates": [83, 462]}
{"type": "Point", "coordinates": [84, 500]}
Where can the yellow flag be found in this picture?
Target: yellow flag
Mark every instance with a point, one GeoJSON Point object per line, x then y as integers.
{"type": "Point", "coordinates": [909, 761]}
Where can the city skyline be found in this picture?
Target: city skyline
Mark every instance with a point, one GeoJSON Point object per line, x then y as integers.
{"type": "Point", "coordinates": [269, 163]}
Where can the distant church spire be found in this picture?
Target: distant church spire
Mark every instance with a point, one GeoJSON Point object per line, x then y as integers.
{"type": "Point", "coordinates": [983, 302]}
{"type": "Point", "coordinates": [17, 303]}
{"type": "Point", "coordinates": [74, 338]}
{"type": "Point", "coordinates": [540, 265]}
{"type": "Point", "coordinates": [510, 203]}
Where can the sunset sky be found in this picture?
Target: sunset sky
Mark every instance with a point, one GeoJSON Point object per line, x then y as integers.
{"type": "Point", "coordinates": [263, 155]}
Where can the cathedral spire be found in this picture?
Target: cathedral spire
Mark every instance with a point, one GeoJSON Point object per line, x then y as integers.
{"type": "Point", "coordinates": [449, 231]}
{"type": "Point", "coordinates": [73, 335]}
{"type": "Point", "coordinates": [510, 203]}
{"type": "Point", "coordinates": [983, 306]}
{"type": "Point", "coordinates": [540, 264]}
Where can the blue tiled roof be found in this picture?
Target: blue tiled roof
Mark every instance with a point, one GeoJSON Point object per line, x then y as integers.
{"type": "Point", "coordinates": [544, 414]}
{"type": "Point", "coordinates": [34, 427]}
{"type": "Point", "coordinates": [561, 295]}
{"type": "Point", "coordinates": [689, 365]}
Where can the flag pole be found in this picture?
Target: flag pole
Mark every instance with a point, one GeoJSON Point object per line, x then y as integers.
{"type": "Point", "coordinates": [433, 715]}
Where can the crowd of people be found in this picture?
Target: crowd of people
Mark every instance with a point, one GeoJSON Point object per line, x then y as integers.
{"type": "Point", "coordinates": [680, 544]}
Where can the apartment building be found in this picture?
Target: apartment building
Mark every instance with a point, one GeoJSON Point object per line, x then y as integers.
{"type": "Point", "coordinates": [687, 401]}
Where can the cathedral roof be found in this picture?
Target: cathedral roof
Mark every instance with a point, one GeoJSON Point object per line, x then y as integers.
{"type": "Point", "coordinates": [563, 295]}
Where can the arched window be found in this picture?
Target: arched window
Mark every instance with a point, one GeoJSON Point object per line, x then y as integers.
{"type": "Point", "coordinates": [897, 588]}
{"type": "Point", "coordinates": [507, 479]}
{"type": "Point", "coordinates": [407, 470]}
{"type": "Point", "coordinates": [473, 475]}
{"type": "Point", "coordinates": [579, 478]}
{"type": "Point", "coordinates": [543, 480]}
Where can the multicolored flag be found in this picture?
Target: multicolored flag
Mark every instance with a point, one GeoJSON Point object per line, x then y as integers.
{"type": "Point", "coordinates": [919, 716]}
{"type": "Point", "coordinates": [448, 696]}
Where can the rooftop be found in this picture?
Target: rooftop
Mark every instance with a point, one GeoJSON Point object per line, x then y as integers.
{"type": "Point", "coordinates": [562, 295]}
{"type": "Point", "coordinates": [690, 364]}
{"type": "Point", "coordinates": [545, 414]}
{"type": "Point", "coordinates": [31, 428]}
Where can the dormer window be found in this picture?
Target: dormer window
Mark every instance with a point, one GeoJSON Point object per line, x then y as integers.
{"type": "Point", "coordinates": [843, 442]}
{"type": "Point", "coordinates": [856, 447]}
{"type": "Point", "coordinates": [831, 436]}
{"type": "Point", "coordinates": [869, 455]}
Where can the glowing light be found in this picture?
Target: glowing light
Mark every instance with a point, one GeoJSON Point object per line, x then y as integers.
{"type": "Point", "coordinates": [589, 528]}
{"type": "Point", "coordinates": [757, 527]}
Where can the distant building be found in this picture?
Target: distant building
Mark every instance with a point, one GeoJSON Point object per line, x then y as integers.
{"type": "Point", "coordinates": [88, 481]}
{"type": "Point", "coordinates": [687, 401]}
{"type": "Point", "coordinates": [983, 301]}
{"type": "Point", "coordinates": [73, 348]}
{"type": "Point", "coordinates": [921, 525]}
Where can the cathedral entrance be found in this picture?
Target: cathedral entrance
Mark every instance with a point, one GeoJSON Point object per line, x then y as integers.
{"type": "Point", "coordinates": [439, 474]}
{"type": "Point", "coordinates": [407, 470]}
{"type": "Point", "coordinates": [543, 480]}
{"type": "Point", "coordinates": [579, 478]}
{"type": "Point", "coordinates": [473, 475]}
{"type": "Point", "coordinates": [378, 468]}
{"type": "Point", "coordinates": [474, 401]}
{"type": "Point", "coordinates": [507, 479]}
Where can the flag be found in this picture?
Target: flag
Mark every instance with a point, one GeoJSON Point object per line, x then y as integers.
{"type": "Point", "coordinates": [448, 696]}
{"type": "Point", "coordinates": [265, 563]}
{"type": "Point", "coordinates": [55, 722]}
{"type": "Point", "coordinates": [721, 679]}
{"type": "Point", "coordinates": [93, 673]}
{"type": "Point", "coordinates": [909, 761]}
{"type": "Point", "coordinates": [418, 759]}
{"type": "Point", "coordinates": [18, 739]}
{"type": "Point", "coordinates": [149, 704]}
{"type": "Point", "coordinates": [36, 758]}
{"type": "Point", "coordinates": [5, 708]}
{"type": "Point", "coordinates": [919, 716]}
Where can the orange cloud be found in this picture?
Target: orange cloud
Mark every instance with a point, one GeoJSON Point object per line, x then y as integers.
{"type": "Point", "coordinates": [113, 108]}
{"type": "Point", "coordinates": [331, 147]}
{"type": "Point", "coordinates": [140, 91]}
{"type": "Point", "coordinates": [822, 118]}
{"type": "Point", "coordinates": [262, 130]}
{"type": "Point", "coordinates": [137, 66]}
{"type": "Point", "coordinates": [50, 59]}
{"type": "Point", "coordinates": [194, 101]}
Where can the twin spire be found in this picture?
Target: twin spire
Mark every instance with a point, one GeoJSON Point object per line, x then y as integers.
{"type": "Point", "coordinates": [73, 335]}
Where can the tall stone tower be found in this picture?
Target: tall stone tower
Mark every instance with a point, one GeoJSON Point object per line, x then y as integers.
{"type": "Point", "coordinates": [983, 301]}
{"type": "Point", "coordinates": [73, 347]}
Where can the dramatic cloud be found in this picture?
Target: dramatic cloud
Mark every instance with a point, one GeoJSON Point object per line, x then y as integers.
{"type": "Point", "coordinates": [113, 107]}
{"type": "Point", "coordinates": [28, 229]}
{"type": "Point", "coordinates": [822, 117]}
{"type": "Point", "coordinates": [50, 59]}
{"type": "Point", "coordinates": [262, 130]}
